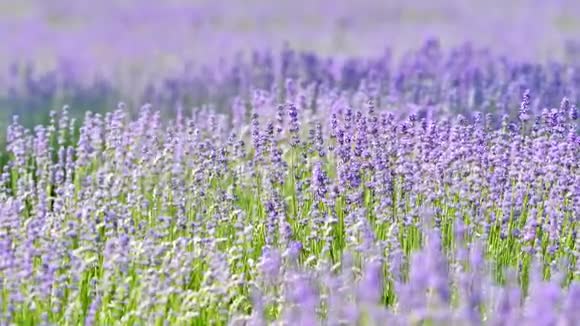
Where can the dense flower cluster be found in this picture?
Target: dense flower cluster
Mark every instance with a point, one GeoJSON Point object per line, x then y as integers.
{"type": "Point", "coordinates": [381, 197]}
{"type": "Point", "coordinates": [439, 81]}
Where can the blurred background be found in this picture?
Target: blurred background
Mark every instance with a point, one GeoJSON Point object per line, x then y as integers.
{"type": "Point", "coordinates": [92, 54]}
{"type": "Point", "coordinates": [92, 35]}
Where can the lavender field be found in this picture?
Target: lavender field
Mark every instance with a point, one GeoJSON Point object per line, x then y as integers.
{"type": "Point", "coordinates": [290, 163]}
